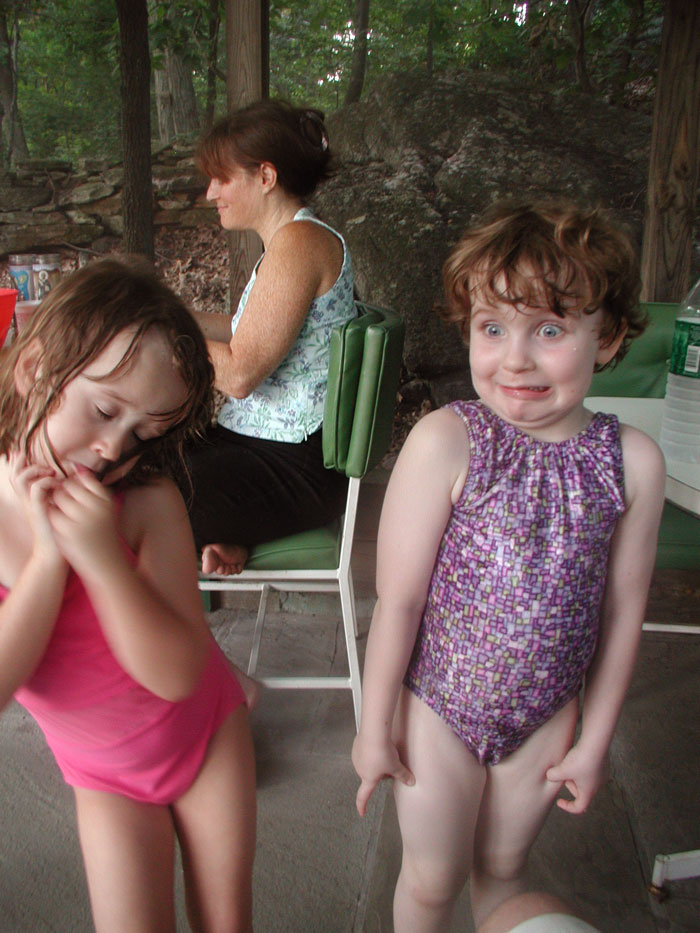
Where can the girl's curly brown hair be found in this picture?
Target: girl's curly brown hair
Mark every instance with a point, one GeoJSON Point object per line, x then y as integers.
{"type": "Point", "coordinates": [552, 254]}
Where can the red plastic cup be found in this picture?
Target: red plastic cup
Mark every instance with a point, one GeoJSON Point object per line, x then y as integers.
{"type": "Point", "coordinates": [8, 297]}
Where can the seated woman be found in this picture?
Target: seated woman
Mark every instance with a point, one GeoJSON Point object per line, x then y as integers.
{"type": "Point", "coordinates": [259, 475]}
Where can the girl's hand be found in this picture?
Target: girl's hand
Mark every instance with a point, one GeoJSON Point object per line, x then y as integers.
{"type": "Point", "coordinates": [582, 775]}
{"type": "Point", "coordinates": [34, 486]}
{"type": "Point", "coordinates": [374, 762]}
{"type": "Point", "coordinates": [83, 522]}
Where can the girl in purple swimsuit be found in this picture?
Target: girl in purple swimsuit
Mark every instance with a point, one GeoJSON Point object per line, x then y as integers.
{"type": "Point", "coordinates": [102, 634]}
{"type": "Point", "coordinates": [515, 550]}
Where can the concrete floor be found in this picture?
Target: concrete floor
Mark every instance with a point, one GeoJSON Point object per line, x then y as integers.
{"type": "Point", "coordinates": [318, 866]}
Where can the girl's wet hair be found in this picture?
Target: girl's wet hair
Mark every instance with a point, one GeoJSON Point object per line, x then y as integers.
{"type": "Point", "coordinates": [74, 324]}
{"type": "Point", "coordinates": [293, 139]}
{"type": "Point", "coordinates": [547, 254]}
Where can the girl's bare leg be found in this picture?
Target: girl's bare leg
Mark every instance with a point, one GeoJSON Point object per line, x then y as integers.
{"type": "Point", "coordinates": [516, 801]}
{"type": "Point", "coordinates": [437, 817]}
{"type": "Point", "coordinates": [215, 822]}
{"type": "Point", "coordinates": [224, 559]}
{"type": "Point", "coordinates": [129, 853]}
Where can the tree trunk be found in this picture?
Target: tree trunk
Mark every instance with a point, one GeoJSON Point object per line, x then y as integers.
{"type": "Point", "coordinates": [212, 48]}
{"type": "Point", "coordinates": [636, 19]}
{"type": "Point", "coordinates": [359, 52]}
{"type": "Point", "coordinates": [674, 165]}
{"type": "Point", "coordinates": [164, 109]}
{"type": "Point", "coordinates": [15, 144]}
{"type": "Point", "coordinates": [176, 103]}
{"type": "Point", "coordinates": [579, 13]}
{"type": "Point", "coordinates": [184, 101]}
{"type": "Point", "coordinates": [247, 80]}
{"type": "Point", "coordinates": [430, 41]}
{"type": "Point", "coordinates": [135, 71]}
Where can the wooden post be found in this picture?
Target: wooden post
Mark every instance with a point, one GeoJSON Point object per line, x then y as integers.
{"type": "Point", "coordinates": [675, 157]}
{"type": "Point", "coordinates": [247, 80]}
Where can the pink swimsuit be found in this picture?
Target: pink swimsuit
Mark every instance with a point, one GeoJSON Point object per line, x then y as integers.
{"type": "Point", "coordinates": [106, 731]}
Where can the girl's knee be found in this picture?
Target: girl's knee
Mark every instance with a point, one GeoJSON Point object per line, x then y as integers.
{"type": "Point", "coordinates": [498, 866]}
{"type": "Point", "coordinates": [431, 884]}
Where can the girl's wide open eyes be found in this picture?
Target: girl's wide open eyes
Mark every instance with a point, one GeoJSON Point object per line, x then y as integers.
{"type": "Point", "coordinates": [550, 330]}
{"type": "Point", "coordinates": [492, 329]}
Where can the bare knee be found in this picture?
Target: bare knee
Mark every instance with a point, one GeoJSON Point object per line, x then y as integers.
{"type": "Point", "coordinates": [495, 878]}
{"type": "Point", "coordinates": [501, 866]}
{"type": "Point", "coordinates": [430, 884]}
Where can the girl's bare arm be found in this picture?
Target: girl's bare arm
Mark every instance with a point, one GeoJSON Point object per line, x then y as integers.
{"type": "Point", "coordinates": [151, 614]}
{"type": "Point", "coordinates": [30, 609]}
{"type": "Point", "coordinates": [630, 565]}
{"type": "Point", "coordinates": [426, 481]}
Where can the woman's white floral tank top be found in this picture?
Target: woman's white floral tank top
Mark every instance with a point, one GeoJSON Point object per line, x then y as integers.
{"type": "Point", "coordinates": [288, 405]}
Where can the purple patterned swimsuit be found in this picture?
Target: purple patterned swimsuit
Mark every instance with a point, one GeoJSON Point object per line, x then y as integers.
{"type": "Point", "coordinates": [511, 619]}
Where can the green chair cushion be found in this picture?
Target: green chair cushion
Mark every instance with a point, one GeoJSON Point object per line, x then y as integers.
{"type": "Point", "coordinates": [346, 352]}
{"type": "Point", "coordinates": [376, 393]}
{"type": "Point", "coordinates": [642, 372]}
{"type": "Point", "coordinates": [679, 540]}
{"type": "Point", "coordinates": [318, 549]}
{"type": "Point", "coordinates": [365, 359]}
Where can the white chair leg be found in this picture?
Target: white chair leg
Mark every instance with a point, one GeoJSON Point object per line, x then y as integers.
{"type": "Point", "coordinates": [674, 867]}
{"type": "Point", "coordinates": [257, 633]}
{"type": "Point", "coordinates": [353, 607]}
{"type": "Point", "coordinates": [671, 629]}
{"type": "Point", "coordinates": [347, 605]}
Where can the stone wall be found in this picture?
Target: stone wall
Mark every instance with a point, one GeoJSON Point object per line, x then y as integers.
{"type": "Point", "coordinates": [49, 204]}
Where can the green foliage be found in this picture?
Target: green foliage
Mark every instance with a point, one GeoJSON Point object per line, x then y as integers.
{"type": "Point", "coordinates": [68, 78]}
{"type": "Point", "coordinates": [68, 62]}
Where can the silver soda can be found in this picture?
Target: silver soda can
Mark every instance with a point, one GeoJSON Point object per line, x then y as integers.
{"type": "Point", "coordinates": [46, 271]}
{"type": "Point", "coordinates": [21, 273]}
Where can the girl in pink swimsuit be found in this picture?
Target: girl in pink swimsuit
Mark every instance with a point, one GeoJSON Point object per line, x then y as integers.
{"type": "Point", "coordinates": [515, 550]}
{"type": "Point", "coordinates": [102, 634]}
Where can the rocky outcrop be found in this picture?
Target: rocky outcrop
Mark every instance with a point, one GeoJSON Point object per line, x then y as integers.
{"type": "Point", "coordinates": [421, 158]}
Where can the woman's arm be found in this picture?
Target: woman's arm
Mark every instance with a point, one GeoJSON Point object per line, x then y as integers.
{"type": "Point", "coordinates": [426, 481]}
{"type": "Point", "coordinates": [150, 614]}
{"type": "Point", "coordinates": [630, 565]}
{"type": "Point", "coordinates": [302, 261]}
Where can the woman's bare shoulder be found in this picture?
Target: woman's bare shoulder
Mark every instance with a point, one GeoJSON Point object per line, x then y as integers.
{"type": "Point", "coordinates": [308, 237]}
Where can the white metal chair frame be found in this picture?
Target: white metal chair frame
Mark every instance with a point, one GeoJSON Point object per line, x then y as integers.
{"type": "Point", "coordinates": [336, 580]}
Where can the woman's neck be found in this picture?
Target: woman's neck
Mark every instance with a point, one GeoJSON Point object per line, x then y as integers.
{"type": "Point", "coordinates": [280, 211]}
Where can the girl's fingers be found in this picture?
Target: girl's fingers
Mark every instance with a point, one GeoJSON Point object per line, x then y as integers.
{"type": "Point", "coordinates": [364, 792]}
{"type": "Point", "coordinates": [405, 776]}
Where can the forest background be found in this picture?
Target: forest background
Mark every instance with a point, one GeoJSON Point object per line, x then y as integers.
{"type": "Point", "coordinates": [63, 65]}
{"type": "Point", "coordinates": [59, 59]}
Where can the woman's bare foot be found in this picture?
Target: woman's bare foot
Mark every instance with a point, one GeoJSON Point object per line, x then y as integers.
{"type": "Point", "coordinates": [224, 559]}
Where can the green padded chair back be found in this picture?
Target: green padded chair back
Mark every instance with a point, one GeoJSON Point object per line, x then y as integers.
{"type": "Point", "coordinates": [363, 377]}
{"type": "Point", "coordinates": [642, 372]}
